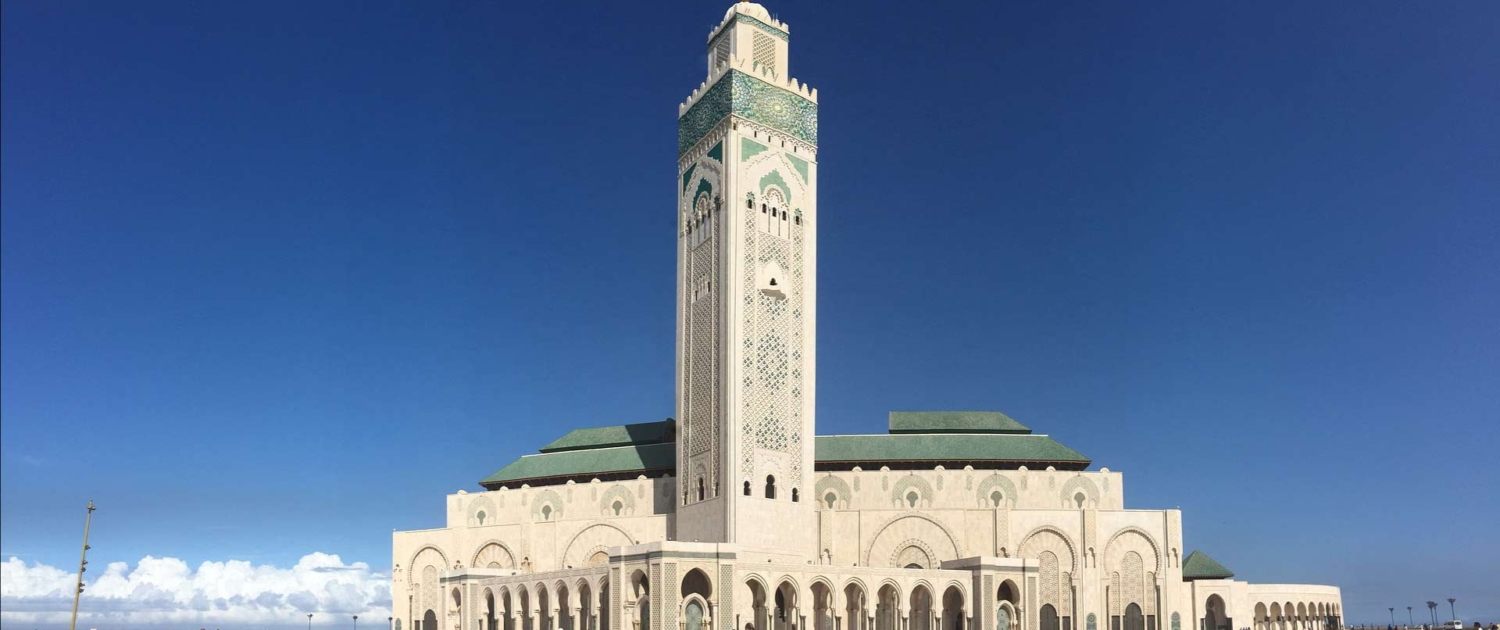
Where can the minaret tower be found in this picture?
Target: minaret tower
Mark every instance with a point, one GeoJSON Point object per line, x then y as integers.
{"type": "Point", "coordinates": [747, 281]}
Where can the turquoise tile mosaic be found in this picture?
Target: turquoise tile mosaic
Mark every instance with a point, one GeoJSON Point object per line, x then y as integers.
{"type": "Point", "coordinates": [797, 163]}
{"type": "Point", "coordinates": [773, 178]}
{"type": "Point", "coordinates": [744, 95]}
{"type": "Point", "coordinates": [712, 107]}
{"type": "Point", "coordinates": [750, 148]}
{"type": "Point", "coordinates": [687, 176]}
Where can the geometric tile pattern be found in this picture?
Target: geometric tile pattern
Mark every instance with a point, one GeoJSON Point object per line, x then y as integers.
{"type": "Point", "coordinates": [726, 596]}
{"type": "Point", "coordinates": [763, 50]}
{"type": "Point", "coordinates": [771, 352]}
{"type": "Point", "coordinates": [701, 390]}
{"type": "Point", "coordinates": [749, 97]}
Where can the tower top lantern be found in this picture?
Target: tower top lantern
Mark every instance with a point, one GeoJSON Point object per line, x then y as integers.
{"type": "Point", "coordinates": [749, 32]}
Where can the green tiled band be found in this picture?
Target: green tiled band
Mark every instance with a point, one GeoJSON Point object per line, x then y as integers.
{"type": "Point", "coordinates": [751, 98]}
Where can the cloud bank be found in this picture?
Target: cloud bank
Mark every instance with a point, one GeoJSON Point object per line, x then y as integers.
{"type": "Point", "coordinates": [165, 592]}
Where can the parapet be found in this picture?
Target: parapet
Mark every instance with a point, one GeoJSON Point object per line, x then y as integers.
{"type": "Point", "coordinates": [741, 64]}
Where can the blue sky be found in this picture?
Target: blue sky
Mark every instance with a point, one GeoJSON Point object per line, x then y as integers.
{"type": "Point", "coordinates": [279, 276]}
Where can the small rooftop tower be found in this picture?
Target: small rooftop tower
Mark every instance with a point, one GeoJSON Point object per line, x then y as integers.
{"type": "Point", "coordinates": [749, 32]}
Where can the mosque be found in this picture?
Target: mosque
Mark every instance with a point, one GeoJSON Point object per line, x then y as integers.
{"type": "Point", "coordinates": [738, 516]}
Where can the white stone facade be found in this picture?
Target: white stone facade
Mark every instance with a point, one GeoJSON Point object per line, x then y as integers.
{"type": "Point", "coordinates": [746, 528]}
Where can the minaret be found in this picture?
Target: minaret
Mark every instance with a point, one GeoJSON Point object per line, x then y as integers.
{"type": "Point", "coordinates": [747, 281]}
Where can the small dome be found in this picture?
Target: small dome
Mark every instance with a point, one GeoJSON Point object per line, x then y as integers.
{"type": "Point", "coordinates": [751, 9]}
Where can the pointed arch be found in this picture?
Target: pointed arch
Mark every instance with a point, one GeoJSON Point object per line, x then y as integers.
{"type": "Point", "coordinates": [493, 552]}
{"type": "Point", "coordinates": [544, 499]}
{"type": "Point", "coordinates": [481, 511]}
{"type": "Point", "coordinates": [887, 544]}
{"type": "Point", "coordinates": [1122, 541]}
{"type": "Point", "coordinates": [617, 493]}
{"type": "Point", "coordinates": [830, 483]}
{"type": "Point", "coordinates": [1037, 539]}
{"type": "Point", "coordinates": [1079, 483]}
{"type": "Point", "coordinates": [996, 483]}
{"type": "Point", "coordinates": [901, 492]}
{"type": "Point", "coordinates": [599, 533]}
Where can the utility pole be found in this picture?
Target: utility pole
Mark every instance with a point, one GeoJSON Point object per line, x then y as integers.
{"type": "Point", "coordinates": [83, 559]}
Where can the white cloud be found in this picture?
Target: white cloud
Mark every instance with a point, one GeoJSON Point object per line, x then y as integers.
{"type": "Point", "coordinates": [165, 591]}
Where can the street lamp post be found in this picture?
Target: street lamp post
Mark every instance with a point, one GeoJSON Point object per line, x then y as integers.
{"type": "Point", "coordinates": [1450, 608]}
{"type": "Point", "coordinates": [1410, 622]}
{"type": "Point", "coordinates": [356, 622]}
{"type": "Point", "coordinates": [390, 623]}
{"type": "Point", "coordinates": [1432, 611]}
{"type": "Point", "coordinates": [309, 621]}
{"type": "Point", "coordinates": [83, 559]}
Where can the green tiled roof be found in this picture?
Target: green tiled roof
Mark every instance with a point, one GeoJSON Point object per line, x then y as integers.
{"type": "Point", "coordinates": [618, 435]}
{"type": "Point", "coordinates": [580, 463]}
{"type": "Point", "coordinates": [945, 447]}
{"type": "Point", "coordinates": [954, 422]}
{"type": "Point", "coordinates": [916, 436]}
{"type": "Point", "coordinates": [1198, 566]}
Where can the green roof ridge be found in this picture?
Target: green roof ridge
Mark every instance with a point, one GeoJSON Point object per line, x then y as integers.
{"type": "Point", "coordinates": [1198, 566]}
{"type": "Point", "coordinates": [612, 436]}
{"type": "Point", "coordinates": [944, 447]}
{"type": "Point", "coordinates": [954, 422]}
{"type": "Point", "coordinates": [600, 461]}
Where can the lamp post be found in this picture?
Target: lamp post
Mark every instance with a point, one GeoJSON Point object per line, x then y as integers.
{"type": "Point", "coordinates": [83, 559]}
{"type": "Point", "coordinates": [356, 622]}
{"type": "Point", "coordinates": [309, 621]}
{"type": "Point", "coordinates": [390, 623]}
{"type": "Point", "coordinates": [1450, 608]}
{"type": "Point", "coordinates": [1409, 621]}
{"type": "Point", "coordinates": [1432, 611]}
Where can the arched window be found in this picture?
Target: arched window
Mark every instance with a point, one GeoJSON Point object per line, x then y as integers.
{"type": "Point", "coordinates": [911, 498]}
{"type": "Point", "coordinates": [747, 488]}
{"type": "Point", "coordinates": [1078, 498]}
{"type": "Point", "coordinates": [700, 488]}
{"type": "Point", "coordinates": [830, 498]}
{"type": "Point", "coordinates": [480, 516]}
{"type": "Point", "coordinates": [996, 498]}
{"type": "Point", "coordinates": [546, 512]}
{"type": "Point", "coordinates": [617, 507]}
{"type": "Point", "coordinates": [770, 486]}
{"type": "Point", "coordinates": [1133, 618]}
{"type": "Point", "coordinates": [1049, 618]}
{"type": "Point", "coordinates": [794, 495]}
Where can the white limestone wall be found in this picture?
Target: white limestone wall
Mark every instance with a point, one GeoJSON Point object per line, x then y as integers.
{"type": "Point", "coordinates": [527, 529]}
{"type": "Point", "coordinates": [969, 488]}
{"type": "Point", "coordinates": [641, 496]}
{"type": "Point", "coordinates": [1267, 604]}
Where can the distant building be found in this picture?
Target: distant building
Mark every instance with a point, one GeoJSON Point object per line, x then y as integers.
{"type": "Point", "coordinates": [738, 516]}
